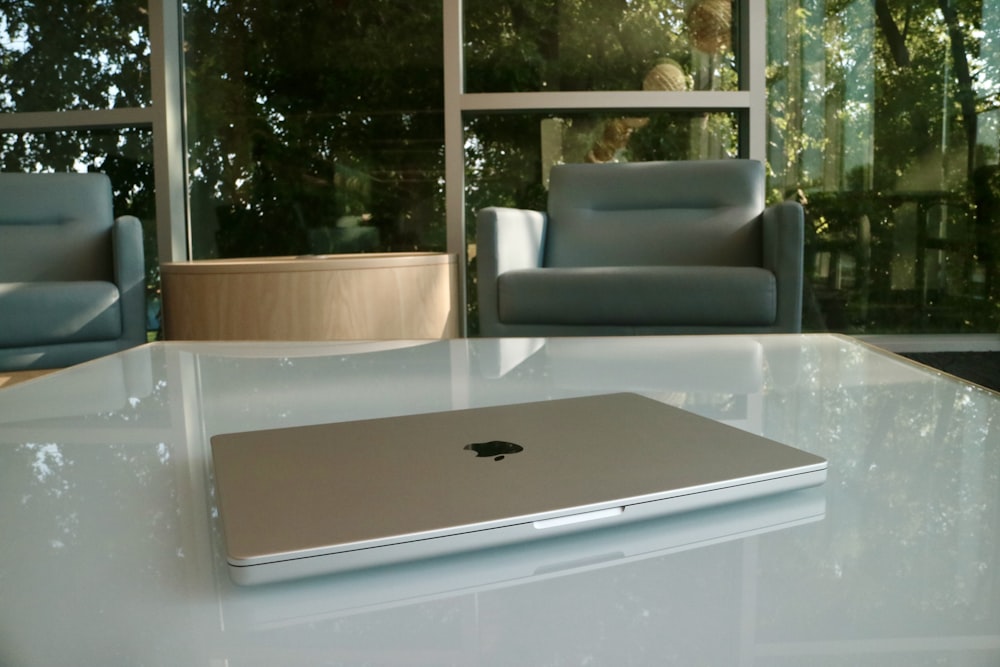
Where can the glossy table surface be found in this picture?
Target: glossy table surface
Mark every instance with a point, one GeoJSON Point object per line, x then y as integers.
{"type": "Point", "coordinates": [110, 542]}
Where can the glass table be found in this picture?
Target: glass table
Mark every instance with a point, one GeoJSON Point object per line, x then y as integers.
{"type": "Point", "coordinates": [110, 540]}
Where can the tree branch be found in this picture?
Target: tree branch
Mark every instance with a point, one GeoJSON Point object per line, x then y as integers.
{"type": "Point", "coordinates": [893, 37]}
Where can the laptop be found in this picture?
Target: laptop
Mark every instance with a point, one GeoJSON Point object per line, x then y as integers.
{"type": "Point", "coordinates": [320, 499]}
{"type": "Point", "coordinates": [649, 545]}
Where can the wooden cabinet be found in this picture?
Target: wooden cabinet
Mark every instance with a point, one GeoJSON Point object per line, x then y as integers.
{"type": "Point", "coordinates": [324, 297]}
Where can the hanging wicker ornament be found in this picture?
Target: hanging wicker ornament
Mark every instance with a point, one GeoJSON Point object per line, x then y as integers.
{"type": "Point", "coordinates": [666, 75]}
{"type": "Point", "coordinates": [615, 137]}
{"type": "Point", "coordinates": [710, 24]}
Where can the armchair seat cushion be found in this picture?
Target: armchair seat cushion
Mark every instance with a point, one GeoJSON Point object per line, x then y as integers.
{"type": "Point", "coordinates": [41, 313]}
{"type": "Point", "coordinates": [639, 295]}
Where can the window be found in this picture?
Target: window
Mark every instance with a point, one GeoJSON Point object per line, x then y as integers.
{"type": "Point", "coordinates": [554, 81]}
{"type": "Point", "coordinates": [558, 45]}
{"type": "Point", "coordinates": [508, 156]}
{"type": "Point", "coordinates": [72, 56]}
{"type": "Point", "coordinates": [315, 128]}
{"type": "Point", "coordinates": [883, 122]}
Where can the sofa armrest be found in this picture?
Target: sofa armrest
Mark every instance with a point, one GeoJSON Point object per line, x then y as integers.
{"type": "Point", "coordinates": [130, 276]}
{"type": "Point", "coordinates": [783, 235]}
{"type": "Point", "coordinates": [507, 239]}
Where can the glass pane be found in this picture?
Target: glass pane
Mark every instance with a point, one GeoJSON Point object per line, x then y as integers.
{"type": "Point", "coordinates": [73, 55]}
{"type": "Point", "coordinates": [883, 121]}
{"type": "Point", "coordinates": [125, 155]}
{"type": "Point", "coordinates": [315, 128]}
{"type": "Point", "coordinates": [508, 156]}
{"type": "Point", "coordinates": [546, 45]}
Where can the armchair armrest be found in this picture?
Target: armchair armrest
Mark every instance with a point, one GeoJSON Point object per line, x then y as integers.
{"type": "Point", "coordinates": [783, 236]}
{"type": "Point", "coordinates": [130, 276]}
{"type": "Point", "coordinates": [507, 239]}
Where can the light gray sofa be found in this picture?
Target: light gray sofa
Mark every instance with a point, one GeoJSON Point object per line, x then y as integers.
{"type": "Point", "coordinates": [72, 277]}
{"type": "Point", "coordinates": [643, 248]}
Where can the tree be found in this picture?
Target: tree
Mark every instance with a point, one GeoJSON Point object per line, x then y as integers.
{"type": "Point", "coordinates": [308, 118]}
{"type": "Point", "coordinates": [900, 82]}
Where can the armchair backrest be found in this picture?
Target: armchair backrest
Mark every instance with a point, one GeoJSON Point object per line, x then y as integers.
{"type": "Point", "coordinates": [55, 227]}
{"type": "Point", "coordinates": [655, 213]}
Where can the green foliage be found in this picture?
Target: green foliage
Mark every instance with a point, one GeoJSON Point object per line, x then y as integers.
{"type": "Point", "coordinates": [550, 45]}
{"type": "Point", "coordinates": [289, 104]}
{"type": "Point", "coordinates": [280, 109]}
{"type": "Point", "coordinates": [878, 114]}
{"type": "Point", "coordinates": [73, 55]}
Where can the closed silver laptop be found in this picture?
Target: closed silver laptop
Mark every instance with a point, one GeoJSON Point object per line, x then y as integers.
{"type": "Point", "coordinates": [320, 499]}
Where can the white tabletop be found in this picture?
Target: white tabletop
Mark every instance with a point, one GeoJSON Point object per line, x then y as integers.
{"type": "Point", "coordinates": [110, 543]}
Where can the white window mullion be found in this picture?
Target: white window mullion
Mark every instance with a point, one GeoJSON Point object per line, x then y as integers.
{"type": "Point", "coordinates": [755, 38]}
{"type": "Point", "coordinates": [86, 119]}
{"type": "Point", "coordinates": [169, 150]}
{"type": "Point", "coordinates": [454, 135]}
{"type": "Point", "coordinates": [454, 145]}
{"type": "Point", "coordinates": [595, 100]}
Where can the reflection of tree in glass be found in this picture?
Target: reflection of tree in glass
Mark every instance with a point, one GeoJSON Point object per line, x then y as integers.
{"type": "Point", "coordinates": [874, 104]}
{"type": "Point", "coordinates": [910, 462]}
{"type": "Point", "coordinates": [88, 55]}
{"type": "Point", "coordinates": [291, 151]}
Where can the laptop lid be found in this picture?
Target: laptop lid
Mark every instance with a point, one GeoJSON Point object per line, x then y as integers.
{"type": "Point", "coordinates": [310, 500]}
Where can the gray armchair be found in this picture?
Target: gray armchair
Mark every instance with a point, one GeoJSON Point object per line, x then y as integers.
{"type": "Point", "coordinates": [643, 248]}
{"type": "Point", "coordinates": [72, 278]}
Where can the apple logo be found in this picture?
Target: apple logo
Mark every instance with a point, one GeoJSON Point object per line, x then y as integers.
{"type": "Point", "coordinates": [496, 449]}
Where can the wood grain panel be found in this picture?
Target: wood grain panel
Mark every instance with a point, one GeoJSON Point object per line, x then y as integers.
{"type": "Point", "coordinates": [331, 297]}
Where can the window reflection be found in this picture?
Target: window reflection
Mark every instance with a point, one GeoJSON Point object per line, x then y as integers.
{"type": "Point", "coordinates": [577, 45]}
{"type": "Point", "coordinates": [87, 55]}
{"type": "Point", "coordinates": [337, 151]}
{"type": "Point", "coordinates": [883, 123]}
